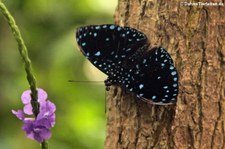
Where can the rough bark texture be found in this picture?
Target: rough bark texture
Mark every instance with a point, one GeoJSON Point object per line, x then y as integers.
{"type": "Point", "coordinates": [195, 38]}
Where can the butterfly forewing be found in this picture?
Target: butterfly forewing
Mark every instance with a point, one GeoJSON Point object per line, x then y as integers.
{"type": "Point", "coordinates": [108, 45]}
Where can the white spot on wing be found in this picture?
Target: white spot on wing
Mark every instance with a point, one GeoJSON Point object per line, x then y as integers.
{"type": "Point", "coordinates": [98, 53]}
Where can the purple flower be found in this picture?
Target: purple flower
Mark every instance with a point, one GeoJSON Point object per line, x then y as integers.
{"type": "Point", "coordinates": [47, 114]}
{"type": "Point", "coordinates": [37, 129]}
{"type": "Point", "coordinates": [26, 98]}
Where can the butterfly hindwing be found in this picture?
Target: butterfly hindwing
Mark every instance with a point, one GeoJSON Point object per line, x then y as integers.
{"type": "Point", "coordinates": [159, 84]}
{"type": "Point", "coordinates": [153, 78]}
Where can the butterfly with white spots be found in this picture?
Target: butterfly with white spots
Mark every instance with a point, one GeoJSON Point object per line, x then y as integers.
{"type": "Point", "coordinates": [124, 54]}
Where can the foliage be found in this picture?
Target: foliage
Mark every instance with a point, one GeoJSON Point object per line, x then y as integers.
{"type": "Point", "coordinates": [48, 29]}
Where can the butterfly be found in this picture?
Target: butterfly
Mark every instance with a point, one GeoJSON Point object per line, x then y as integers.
{"type": "Point", "coordinates": [124, 54]}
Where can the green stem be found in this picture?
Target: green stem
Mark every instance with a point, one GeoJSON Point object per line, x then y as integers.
{"type": "Point", "coordinates": [24, 54]}
{"type": "Point", "coordinates": [44, 145]}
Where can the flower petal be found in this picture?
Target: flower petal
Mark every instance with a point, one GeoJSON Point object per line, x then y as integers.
{"type": "Point", "coordinates": [26, 97]}
{"type": "Point", "coordinates": [45, 134]}
{"type": "Point", "coordinates": [52, 120]}
{"type": "Point", "coordinates": [46, 116]}
{"type": "Point", "coordinates": [28, 126]}
{"type": "Point", "coordinates": [47, 108]}
{"type": "Point", "coordinates": [41, 134]}
{"type": "Point", "coordinates": [27, 109]}
{"type": "Point", "coordinates": [37, 137]}
{"type": "Point", "coordinates": [44, 122]}
{"type": "Point", "coordinates": [19, 114]}
{"type": "Point", "coordinates": [42, 95]}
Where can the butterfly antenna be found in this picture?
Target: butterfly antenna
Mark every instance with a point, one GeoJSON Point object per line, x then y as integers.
{"type": "Point", "coordinates": [84, 81]}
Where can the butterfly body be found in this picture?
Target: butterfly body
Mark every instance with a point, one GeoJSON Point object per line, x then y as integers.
{"type": "Point", "coordinates": [124, 54]}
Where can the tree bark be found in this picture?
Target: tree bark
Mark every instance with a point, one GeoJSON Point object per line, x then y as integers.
{"type": "Point", "coordinates": [195, 38]}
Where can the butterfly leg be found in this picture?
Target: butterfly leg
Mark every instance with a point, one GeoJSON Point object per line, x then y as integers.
{"type": "Point", "coordinates": [108, 83]}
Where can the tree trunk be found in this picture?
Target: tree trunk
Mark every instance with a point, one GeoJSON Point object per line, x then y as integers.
{"type": "Point", "coordinates": [195, 38]}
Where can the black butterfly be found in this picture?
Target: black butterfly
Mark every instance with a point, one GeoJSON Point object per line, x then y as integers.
{"type": "Point", "coordinates": [124, 54]}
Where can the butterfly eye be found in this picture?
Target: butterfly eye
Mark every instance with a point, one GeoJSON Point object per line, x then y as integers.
{"type": "Point", "coordinates": [123, 53]}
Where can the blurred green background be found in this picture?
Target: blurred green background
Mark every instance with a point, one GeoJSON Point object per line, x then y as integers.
{"type": "Point", "coordinates": [48, 28]}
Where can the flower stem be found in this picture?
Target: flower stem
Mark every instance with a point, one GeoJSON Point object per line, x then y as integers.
{"type": "Point", "coordinates": [44, 145]}
{"type": "Point", "coordinates": [24, 54]}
